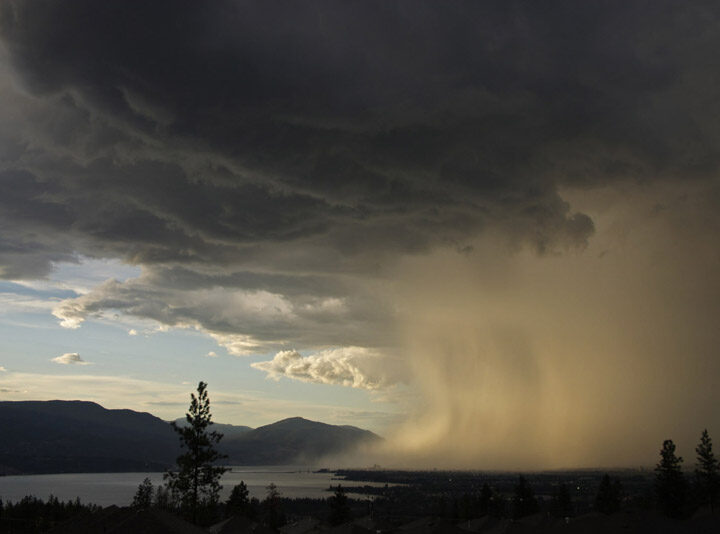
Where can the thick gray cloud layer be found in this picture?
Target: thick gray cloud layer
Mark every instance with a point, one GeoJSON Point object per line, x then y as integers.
{"type": "Point", "coordinates": [266, 161]}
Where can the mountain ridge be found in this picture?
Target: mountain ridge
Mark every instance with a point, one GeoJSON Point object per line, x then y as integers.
{"type": "Point", "coordinates": [61, 436]}
{"type": "Point", "coordinates": [298, 438]}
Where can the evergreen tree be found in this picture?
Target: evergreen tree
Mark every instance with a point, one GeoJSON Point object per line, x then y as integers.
{"type": "Point", "coordinates": [239, 501]}
{"type": "Point", "coordinates": [253, 512]}
{"type": "Point", "coordinates": [197, 479]}
{"type": "Point", "coordinates": [670, 485]}
{"type": "Point", "coordinates": [339, 507]}
{"type": "Point", "coordinates": [609, 496]}
{"type": "Point", "coordinates": [143, 496]}
{"type": "Point", "coordinates": [524, 502]}
{"type": "Point", "coordinates": [162, 499]}
{"type": "Point", "coordinates": [707, 472]}
{"type": "Point", "coordinates": [274, 517]}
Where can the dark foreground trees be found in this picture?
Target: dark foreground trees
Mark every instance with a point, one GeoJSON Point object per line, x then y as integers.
{"type": "Point", "coordinates": [561, 503]}
{"type": "Point", "coordinates": [196, 483]}
{"type": "Point", "coordinates": [524, 501]}
{"type": "Point", "coordinates": [32, 515]}
{"type": "Point", "coordinates": [670, 485]}
{"type": "Point", "coordinates": [273, 514]}
{"type": "Point", "coordinates": [238, 504]}
{"type": "Point", "coordinates": [144, 496]}
{"type": "Point", "coordinates": [707, 473]}
{"type": "Point", "coordinates": [339, 507]}
{"type": "Point", "coordinates": [609, 496]}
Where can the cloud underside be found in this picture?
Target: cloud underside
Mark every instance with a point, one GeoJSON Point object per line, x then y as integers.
{"type": "Point", "coordinates": [269, 164]}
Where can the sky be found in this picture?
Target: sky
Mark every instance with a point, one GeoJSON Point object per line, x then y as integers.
{"type": "Point", "coordinates": [485, 230]}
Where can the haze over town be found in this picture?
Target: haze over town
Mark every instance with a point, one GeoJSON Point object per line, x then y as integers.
{"type": "Point", "coordinates": [487, 231]}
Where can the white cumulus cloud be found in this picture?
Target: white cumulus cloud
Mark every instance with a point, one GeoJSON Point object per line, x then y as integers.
{"type": "Point", "coordinates": [356, 367]}
{"type": "Point", "coordinates": [70, 358]}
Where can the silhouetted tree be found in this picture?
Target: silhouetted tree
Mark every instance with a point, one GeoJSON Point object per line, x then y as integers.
{"type": "Point", "coordinates": [274, 517]}
{"type": "Point", "coordinates": [609, 496]}
{"type": "Point", "coordinates": [670, 485]}
{"type": "Point", "coordinates": [561, 503]}
{"type": "Point", "coordinates": [707, 472]}
{"type": "Point", "coordinates": [239, 501]}
{"type": "Point", "coordinates": [339, 507]}
{"type": "Point", "coordinates": [254, 508]}
{"type": "Point", "coordinates": [197, 480]}
{"type": "Point", "coordinates": [31, 514]}
{"type": "Point", "coordinates": [524, 502]}
{"type": "Point", "coordinates": [144, 494]}
{"type": "Point", "coordinates": [162, 498]}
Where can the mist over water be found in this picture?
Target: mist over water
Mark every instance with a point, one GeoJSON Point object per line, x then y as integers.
{"type": "Point", "coordinates": [576, 358]}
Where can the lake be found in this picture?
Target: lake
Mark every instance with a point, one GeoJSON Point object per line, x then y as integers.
{"type": "Point", "coordinates": [105, 489]}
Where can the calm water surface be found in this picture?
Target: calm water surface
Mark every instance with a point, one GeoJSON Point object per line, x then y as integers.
{"type": "Point", "coordinates": [105, 489]}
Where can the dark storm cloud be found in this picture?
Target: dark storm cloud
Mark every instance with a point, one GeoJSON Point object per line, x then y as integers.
{"type": "Point", "coordinates": [268, 146]}
{"type": "Point", "coordinates": [326, 108]}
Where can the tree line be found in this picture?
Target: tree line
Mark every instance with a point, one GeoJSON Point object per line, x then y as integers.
{"type": "Point", "coordinates": [193, 488]}
{"type": "Point", "coordinates": [674, 495]}
{"type": "Point", "coordinates": [31, 514]}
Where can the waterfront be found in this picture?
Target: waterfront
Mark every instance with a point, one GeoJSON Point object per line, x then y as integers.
{"type": "Point", "coordinates": [105, 489]}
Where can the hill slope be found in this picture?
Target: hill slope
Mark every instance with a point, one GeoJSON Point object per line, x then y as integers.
{"type": "Point", "coordinates": [78, 436]}
{"type": "Point", "coordinates": [294, 440]}
{"type": "Point", "coordinates": [228, 431]}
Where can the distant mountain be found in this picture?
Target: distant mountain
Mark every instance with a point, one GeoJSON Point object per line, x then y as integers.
{"type": "Point", "coordinates": [294, 440]}
{"type": "Point", "coordinates": [228, 431]}
{"type": "Point", "coordinates": [79, 436]}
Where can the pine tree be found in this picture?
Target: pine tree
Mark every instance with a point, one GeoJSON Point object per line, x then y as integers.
{"type": "Point", "coordinates": [162, 499]}
{"type": "Point", "coordinates": [239, 500]}
{"type": "Point", "coordinates": [274, 517]}
{"type": "Point", "coordinates": [609, 496]}
{"type": "Point", "coordinates": [670, 485]}
{"type": "Point", "coordinates": [197, 480]}
{"type": "Point", "coordinates": [707, 472]}
{"type": "Point", "coordinates": [339, 507]}
{"type": "Point", "coordinates": [143, 496]}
